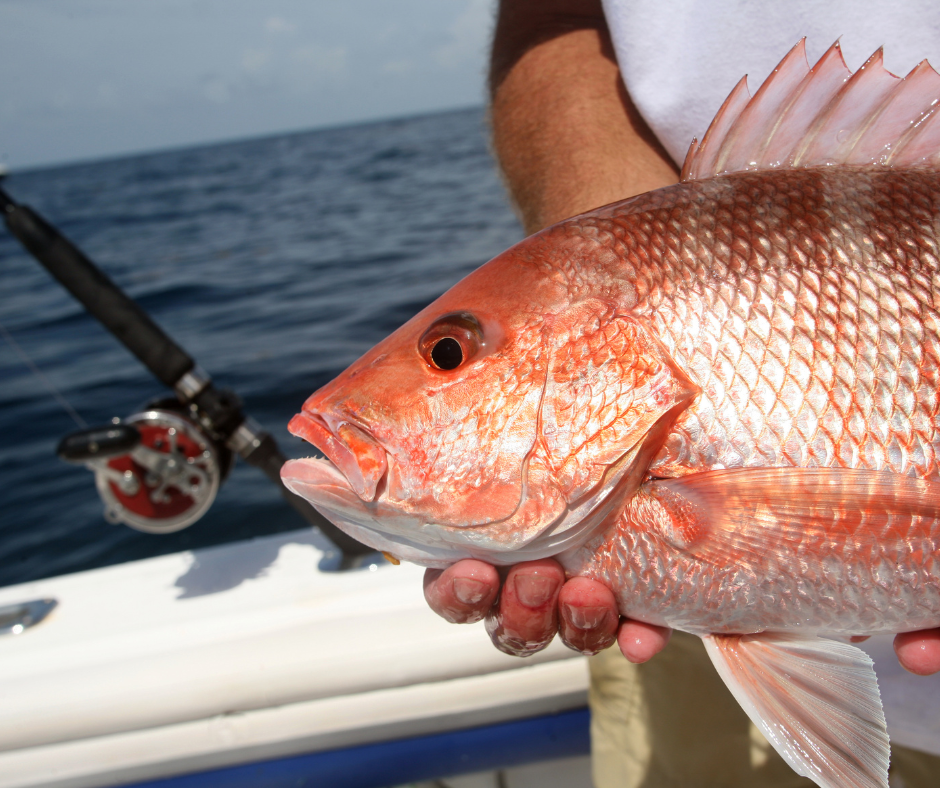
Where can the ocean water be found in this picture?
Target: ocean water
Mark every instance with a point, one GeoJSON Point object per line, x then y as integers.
{"type": "Point", "coordinates": [274, 262]}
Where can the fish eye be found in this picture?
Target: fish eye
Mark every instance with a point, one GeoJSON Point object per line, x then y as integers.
{"type": "Point", "coordinates": [447, 353]}
{"type": "Point", "coordinates": [451, 341]}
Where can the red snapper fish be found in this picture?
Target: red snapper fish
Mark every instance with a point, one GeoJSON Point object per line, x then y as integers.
{"type": "Point", "coordinates": [719, 398]}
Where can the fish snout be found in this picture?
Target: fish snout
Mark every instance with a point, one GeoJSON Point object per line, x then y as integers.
{"type": "Point", "coordinates": [355, 453]}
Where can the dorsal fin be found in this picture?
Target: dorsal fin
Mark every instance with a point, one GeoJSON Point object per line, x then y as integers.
{"type": "Point", "coordinates": [802, 117]}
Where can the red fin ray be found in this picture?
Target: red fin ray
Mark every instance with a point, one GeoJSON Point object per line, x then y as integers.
{"type": "Point", "coordinates": [813, 95]}
{"type": "Point", "coordinates": [920, 143]}
{"type": "Point", "coordinates": [815, 700]}
{"type": "Point", "coordinates": [762, 516]}
{"type": "Point", "coordinates": [848, 115]}
{"type": "Point", "coordinates": [757, 122]}
{"type": "Point", "coordinates": [827, 116]}
{"type": "Point", "coordinates": [700, 160]}
{"type": "Point", "coordinates": [900, 111]}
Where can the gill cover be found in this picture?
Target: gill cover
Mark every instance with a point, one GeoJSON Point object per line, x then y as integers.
{"type": "Point", "coordinates": [611, 394]}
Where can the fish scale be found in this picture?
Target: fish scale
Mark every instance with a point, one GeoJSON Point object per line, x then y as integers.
{"type": "Point", "coordinates": [741, 420]}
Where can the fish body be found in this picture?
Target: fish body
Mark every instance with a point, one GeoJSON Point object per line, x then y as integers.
{"type": "Point", "coordinates": [721, 399]}
{"type": "Point", "coordinates": [805, 310]}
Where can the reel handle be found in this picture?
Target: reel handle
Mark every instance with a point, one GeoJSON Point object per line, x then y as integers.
{"type": "Point", "coordinates": [98, 443]}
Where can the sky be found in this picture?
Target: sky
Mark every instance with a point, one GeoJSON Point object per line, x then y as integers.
{"type": "Point", "coordinates": [87, 79]}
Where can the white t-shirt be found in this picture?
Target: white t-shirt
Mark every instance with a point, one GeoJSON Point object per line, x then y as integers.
{"type": "Point", "coordinates": [680, 59]}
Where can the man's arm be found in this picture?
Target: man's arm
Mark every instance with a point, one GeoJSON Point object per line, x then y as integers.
{"type": "Point", "coordinates": [565, 133]}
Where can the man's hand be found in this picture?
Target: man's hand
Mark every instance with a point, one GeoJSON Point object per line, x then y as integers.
{"type": "Point", "coordinates": [534, 603]}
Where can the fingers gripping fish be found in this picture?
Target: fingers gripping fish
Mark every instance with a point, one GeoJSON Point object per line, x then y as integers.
{"type": "Point", "coordinates": [719, 398]}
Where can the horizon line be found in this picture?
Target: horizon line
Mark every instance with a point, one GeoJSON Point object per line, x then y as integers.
{"type": "Point", "coordinates": [133, 154]}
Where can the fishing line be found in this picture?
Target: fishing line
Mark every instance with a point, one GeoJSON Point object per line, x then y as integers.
{"type": "Point", "coordinates": [60, 398]}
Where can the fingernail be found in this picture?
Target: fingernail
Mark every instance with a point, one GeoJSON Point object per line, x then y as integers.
{"type": "Point", "coordinates": [468, 590]}
{"type": "Point", "coordinates": [586, 617]}
{"type": "Point", "coordinates": [512, 642]}
{"type": "Point", "coordinates": [534, 590]}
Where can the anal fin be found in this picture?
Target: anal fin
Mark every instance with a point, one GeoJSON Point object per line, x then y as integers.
{"type": "Point", "coordinates": [816, 700]}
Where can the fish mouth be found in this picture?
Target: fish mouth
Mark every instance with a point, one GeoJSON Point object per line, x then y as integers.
{"type": "Point", "coordinates": [351, 449]}
{"type": "Point", "coordinates": [347, 488]}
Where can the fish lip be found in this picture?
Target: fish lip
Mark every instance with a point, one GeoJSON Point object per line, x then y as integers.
{"type": "Point", "coordinates": [351, 449]}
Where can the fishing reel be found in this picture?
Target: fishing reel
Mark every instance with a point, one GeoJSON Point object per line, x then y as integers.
{"type": "Point", "coordinates": [157, 471]}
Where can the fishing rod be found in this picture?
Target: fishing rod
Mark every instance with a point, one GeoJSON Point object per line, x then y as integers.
{"type": "Point", "coordinates": [158, 470]}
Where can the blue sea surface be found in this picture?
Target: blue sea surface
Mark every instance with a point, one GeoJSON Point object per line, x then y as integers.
{"type": "Point", "coordinates": [274, 262]}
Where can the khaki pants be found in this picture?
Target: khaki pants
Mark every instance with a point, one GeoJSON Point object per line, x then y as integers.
{"type": "Point", "coordinates": [672, 723]}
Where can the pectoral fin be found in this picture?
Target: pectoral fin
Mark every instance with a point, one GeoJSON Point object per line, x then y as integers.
{"type": "Point", "coordinates": [763, 518]}
{"type": "Point", "coordinates": [816, 701]}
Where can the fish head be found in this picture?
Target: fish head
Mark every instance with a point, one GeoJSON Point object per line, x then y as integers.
{"type": "Point", "coordinates": [491, 423]}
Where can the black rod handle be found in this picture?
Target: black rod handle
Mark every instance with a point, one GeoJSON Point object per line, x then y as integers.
{"type": "Point", "coordinates": [97, 293]}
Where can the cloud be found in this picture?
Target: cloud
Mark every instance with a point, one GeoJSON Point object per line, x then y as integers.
{"type": "Point", "coordinates": [62, 99]}
{"type": "Point", "coordinates": [469, 35]}
{"type": "Point", "coordinates": [254, 60]}
{"type": "Point", "coordinates": [321, 61]}
{"type": "Point", "coordinates": [399, 66]}
{"type": "Point", "coordinates": [217, 90]}
{"type": "Point", "coordinates": [106, 95]}
{"type": "Point", "coordinates": [98, 77]}
{"type": "Point", "coordinates": [277, 24]}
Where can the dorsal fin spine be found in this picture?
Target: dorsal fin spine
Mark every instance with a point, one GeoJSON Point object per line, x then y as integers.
{"type": "Point", "coordinates": [869, 117]}
{"type": "Point", "coordinates": [870, 144]}
{"type": "Point", "coordinates": [703, 157]}
{"type": "Point", "coordinates": [689, 158]}
{"type": "Point", "coordinates": [905, 153]}
{"type": "Point", "coordinates": [822, 144]}
{"type": "Point", "coordinates": [823, 80]}
{"type": "Point", "coordinates": [742, 140]}
{"type": "Point", "coordinates": [871, 121]}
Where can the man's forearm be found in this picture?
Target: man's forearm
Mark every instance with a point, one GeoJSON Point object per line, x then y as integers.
{"type": "Point", "coordinates": [565, 132]}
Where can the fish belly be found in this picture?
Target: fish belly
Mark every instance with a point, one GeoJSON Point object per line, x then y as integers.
{"type": "Point", "coordinates": [840, 587]}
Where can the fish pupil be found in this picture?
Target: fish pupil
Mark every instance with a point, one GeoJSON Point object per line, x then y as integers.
{"type": "Point", "coordinates": [447, 353]}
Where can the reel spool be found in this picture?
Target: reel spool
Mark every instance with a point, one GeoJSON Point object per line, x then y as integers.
{"type": "Point", "coordinates": [156, 471]}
